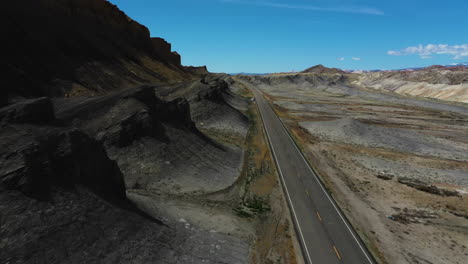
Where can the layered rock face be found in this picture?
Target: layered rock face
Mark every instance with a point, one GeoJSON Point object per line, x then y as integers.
{"type": "Point", "coordinates": [90, 107]}
{"type": "Point", "coordinates": [163, 50]}
{"type": "Point", "coordinates": [65, 171]}
{"type": "Point", "coordinates": [78, 47]}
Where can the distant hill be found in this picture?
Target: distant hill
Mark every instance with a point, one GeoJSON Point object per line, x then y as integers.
{"type": "Point", "coordinates": [320, 69]}
{"type": "Point", "coordinates": [442, 82]}
{"type": "Point", "coordinates": [454, 66]}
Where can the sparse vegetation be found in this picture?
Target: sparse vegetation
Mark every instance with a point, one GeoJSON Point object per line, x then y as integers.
{"type": "Point", "coordinates": [252, 206]}
{"type": "Point", "coordinates": [262, 199]}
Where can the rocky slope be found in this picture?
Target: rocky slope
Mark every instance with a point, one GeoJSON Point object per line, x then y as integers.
{"type": "Point", "coordinates": [66, 165]}
{"type": "Point", "coordinates": [436, 74]}
{"type": "Point", "coordinates": [445, 83]}
{"type": "Point", "coordinates": [79, 47]}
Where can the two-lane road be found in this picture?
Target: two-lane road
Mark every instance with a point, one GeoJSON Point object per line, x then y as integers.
{"type": "Point", "coordinates": [324, 233]}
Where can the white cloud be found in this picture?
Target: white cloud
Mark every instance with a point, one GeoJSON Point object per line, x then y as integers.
{"type": "Point", "coordinates": [336, 9]}
{"type": "Point", "coordinates": [341, 59]}
{"type": "Point", "coordinates": [425, 52]}
{"type": "Point", "coordinates": [356, 58]}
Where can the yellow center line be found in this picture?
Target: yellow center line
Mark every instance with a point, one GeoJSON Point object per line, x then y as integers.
{"type": "Point", "coordinates": [337, 253]}
{"type": "Point", "coordinates": [319, 217]}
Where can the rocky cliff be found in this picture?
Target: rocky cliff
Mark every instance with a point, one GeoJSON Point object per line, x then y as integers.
{"type": "Point", "coordinates": [78, 47]}
{"type": "Point", "coordinates": [164, 50]}
{"type": "Point", "coordinates": [91, 109]}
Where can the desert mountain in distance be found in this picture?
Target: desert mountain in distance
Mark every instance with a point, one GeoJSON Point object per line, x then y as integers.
{"type": "Point", "coordinates": [448, 83]}
{"type": "Point", "coordinates": [322, 69]}
{"type": "Point", "coordinates": [439, 82]}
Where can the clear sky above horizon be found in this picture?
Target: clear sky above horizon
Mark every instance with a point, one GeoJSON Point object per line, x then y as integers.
{"type": "Point", "coordinates": [291, 35]}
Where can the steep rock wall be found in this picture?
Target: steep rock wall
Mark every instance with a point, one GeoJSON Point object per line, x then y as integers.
{"type": "Point", "coordinates": [164, 50]}
{"type": "Point", "coordinates": [77, 47]}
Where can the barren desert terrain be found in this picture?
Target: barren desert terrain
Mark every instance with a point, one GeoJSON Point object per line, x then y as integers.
{"type": "Point", "coordinates": [397, 166]}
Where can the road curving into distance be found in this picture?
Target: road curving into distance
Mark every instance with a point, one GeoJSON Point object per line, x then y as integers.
{"type": "Point", "coordinates": [324, 233]}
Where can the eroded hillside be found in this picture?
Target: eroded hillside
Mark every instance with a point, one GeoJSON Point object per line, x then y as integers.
{"type": "Point", "coordinates": [435, 82]}
{"type": "Point", "coordinates": [439, 82]}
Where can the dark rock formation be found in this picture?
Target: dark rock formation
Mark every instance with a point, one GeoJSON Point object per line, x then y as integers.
{"type": "Point", "coordinates": [78, 226]}
{"type": "Point", "coordinates": [35, 158]}
{"type": "Point", "coordinates": [136, 114]}
{"type": "Point", "coordinates": [62, 199]}
{"type": "Point", "coordinates": [78, 47]}
{"type": "Point", "coordinates": [62, 195]}
{"type": "Point", "coordinates": [163, 50]}
{"type": "Point", "coordinates": [202, 70]}
{"type": "Point", "coordinates": [75, 132]}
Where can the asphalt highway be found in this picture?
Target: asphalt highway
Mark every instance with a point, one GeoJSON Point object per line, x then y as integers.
{"type": "Point", "coordinates": [324, 233]}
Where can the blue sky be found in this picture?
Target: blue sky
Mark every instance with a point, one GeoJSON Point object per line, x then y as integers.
{"type": "Point", "coordinates": [285, 35]}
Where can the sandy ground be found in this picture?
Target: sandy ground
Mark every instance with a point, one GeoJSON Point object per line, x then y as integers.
{"type": "Point", "coordinates": [397, 166]}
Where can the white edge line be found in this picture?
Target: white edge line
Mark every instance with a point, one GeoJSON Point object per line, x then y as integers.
{"type": "Point", "coordinates": [323, 189]}
{"type": "Point", "coordinates": [284, 184]}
